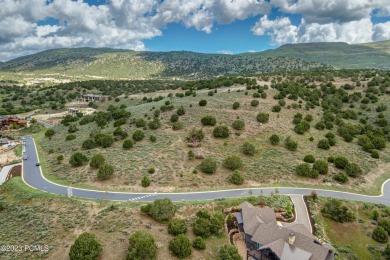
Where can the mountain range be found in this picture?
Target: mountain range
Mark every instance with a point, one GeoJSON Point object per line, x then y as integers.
{"type": "Point", "coordinates": [106, 63]}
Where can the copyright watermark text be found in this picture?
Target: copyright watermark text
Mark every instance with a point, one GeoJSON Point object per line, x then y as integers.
{"type": "Point", "coordinates": [24, 248]}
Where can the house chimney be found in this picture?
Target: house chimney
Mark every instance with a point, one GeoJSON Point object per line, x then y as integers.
{"type": "Point", "coordinates": [291, 238]}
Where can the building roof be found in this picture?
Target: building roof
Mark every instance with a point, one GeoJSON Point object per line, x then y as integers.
{"type": "Point", "coordinates": [266, 232]}
{"type": "Point", "coordinates": [239, 218]}
{"type": "Point", "coordinates": [4, 140]}
{"type": "Point", "coordinates": [91, 95]}
{"type": "Point", "coordinates": [294, 253]}
{"type": "Point", "coordinates": [254, 217]}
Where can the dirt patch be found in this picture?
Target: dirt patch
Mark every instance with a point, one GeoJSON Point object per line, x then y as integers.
{"type": "Point", "coordinates": [16, 171]}
{"type": "Point", "coordinates": [7, 157]}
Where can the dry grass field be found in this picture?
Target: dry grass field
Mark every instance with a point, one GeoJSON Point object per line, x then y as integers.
{"type": "Point", "coordinates": [271, 165]}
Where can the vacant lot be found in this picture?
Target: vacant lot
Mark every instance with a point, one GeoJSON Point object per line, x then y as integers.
{"type": "Point", "coordinates": [31, 217]}
{"type": "Point", "coordinates": [270, 165]}
{"type": "Point", "coordinates": [352, 240]}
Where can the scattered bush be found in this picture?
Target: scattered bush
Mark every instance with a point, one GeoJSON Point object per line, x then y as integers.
{"type": "Point", "coordinates": [160, 209]}
{"type": "Point", "coordinates": [177, 227]}
{"type": "Point", "coordinates": [262, 117]}
{"type": "Point", "coordinates": [174, 118]}
{"type": "Point", "coordinates": [221, 131]}
{"type": "Point", "coordinates": [375, 154]}
{"type": "Point", "coordinates": [180, 246]}
{"type": "Point", "coordinates": [177, 125]}
{"type": "Point", "coordinates": [70, 137]}
{"type": "Point", "coordinates": [105, 172]}
{"type": "Point", "coordinates": [248, 149]}
{"type": "Point", "coordinates": [49, 133]}
{"type": "Point", "coordinates": [290, 144]}
{"type": "Point", "coordinates": [341, 177]}
{"type": "Point", "coordinates": [72, 129]}
{"type": "Point", "coordinates": [86, 246]}
{"type": "Point", "coordinates": [104, 140]}
{"type": "Point", "coordinates": [88, 144]}
{"type": "Point", "coordinates": [236, 105]}
{"type": "Point", "coordinates": [207, 224]}
{"type": "Point", "coordinates": [385, 224]}
{"type": "Point", "coordinates": [145, 182]}
{"type": "Point", "coordinates": [274, 139]}
{"type": "Point", "coordinates": [78, 159]}
{"type": "Point", "coordinates": [353, 170]}
{"type": "Point", "coordinates": [153, 138]}
{"type": "Point", "coordinates": [341, 162]}
{"type": "Point", "coordinates": [181, 111]}
{"type": "Point", "coordinates": [276, 108]}
{"type": "Point", "coordinates": [230, 252]}
{"type": "Point", "coordinates": [96, 161]}
{"type": "Point", "coordinates": [201, 227]}
{"type": "Point", "coordinates": [334, 210]}
{"type": "Point", "coordinates": [191, 155]}
{"type": "Point", "coordinates": [138, 135]}
{"type": "Point", "coordinates": [238, 124]}
{"type": "Point", "coordinates": [320, 126]}
{"type": "Point", "coordinates": [324, 144]}
{"type": "Point", "coordinates": [236, 178]}
{"type": "Point", "coordinates": [195, 135]}
{"type": "Point", "coordinates": [208, 120]}
{"type": "Point", "coordinates": [119, 132]}
{"type": "Point", "coordinates": [127, 144]}
{"type": "Point", "coordinates": [154, 124]}
{"type": "Point", "coordinates": [208, 165]}
{"type": "Point", "coordinates": [233, 163]}
{"type": "Point", "coordinates": [380, 235]}
{"type": "Point", "coordinates": [203, 103]}
{"type": "Point", "coordinates": [321, 166]}
{"type": "Point", "coordinates": [255, 103]}
{"type": "Point", "coordinates": [303, 170]}
{"type": "Point", "coordinates": [302, 127]}
{"type": "Point", "coordinates": [141, 246]}
{"type": "Point", "coordinates": [309, 158]}
{"type": "Point", "coordinates": [199, 243]}
{"type": "Point", "coordinates": [140, 122]}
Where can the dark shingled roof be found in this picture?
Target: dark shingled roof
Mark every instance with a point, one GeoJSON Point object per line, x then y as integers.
{"type": "Point", "coordinates": [261, 224]}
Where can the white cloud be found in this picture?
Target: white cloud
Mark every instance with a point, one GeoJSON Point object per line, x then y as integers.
{"type": "Point", "coordinates": [226, 52]}
{"type": "Point", "coordinates": [117, 23]}
{"type": "Point", "coordinates": [381, 32]}
{"type": "Point", "coordinates": [339, 11]}
{"type": "Point", "coordinates": [126, 23]}
{"type": "Point", "coordinates": [326, 21]}
{"type": "Point", "coordinates": [280, 30]}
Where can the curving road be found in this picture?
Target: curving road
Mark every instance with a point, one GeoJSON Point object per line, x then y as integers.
{"type": "Point", "coordinates": [33, 177]}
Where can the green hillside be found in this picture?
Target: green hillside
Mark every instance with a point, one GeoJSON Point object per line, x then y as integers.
{"type": "Point", "coordinates": [104, 63]}
{"type": "Point", "coordinates": [383, 46]}
{"type": "Point", "coordinates": [338, 54]}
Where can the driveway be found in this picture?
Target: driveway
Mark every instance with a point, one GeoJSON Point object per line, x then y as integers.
{"type": "Point", "coordinates": [301, 213]}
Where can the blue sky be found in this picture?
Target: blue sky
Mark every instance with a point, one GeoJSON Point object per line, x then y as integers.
{"type": "Point", "coordinates": [230, 38]}
{"type": "Point", "coordinates": [209, 26]}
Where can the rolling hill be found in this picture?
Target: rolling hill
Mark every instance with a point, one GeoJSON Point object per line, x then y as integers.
{"type": "Point", "coordinates": [104, 63]}
{"type": "Point", "coordinates": [383, 46]}
{"type": "Point", "coordinates": [339, 54]}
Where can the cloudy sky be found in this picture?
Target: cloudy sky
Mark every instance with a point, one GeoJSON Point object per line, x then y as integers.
{"type": "Point", "coordinates": [211, 26]}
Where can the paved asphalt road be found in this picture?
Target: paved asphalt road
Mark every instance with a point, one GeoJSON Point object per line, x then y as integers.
{"type": "Point", "coordinates": [33, 177]}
